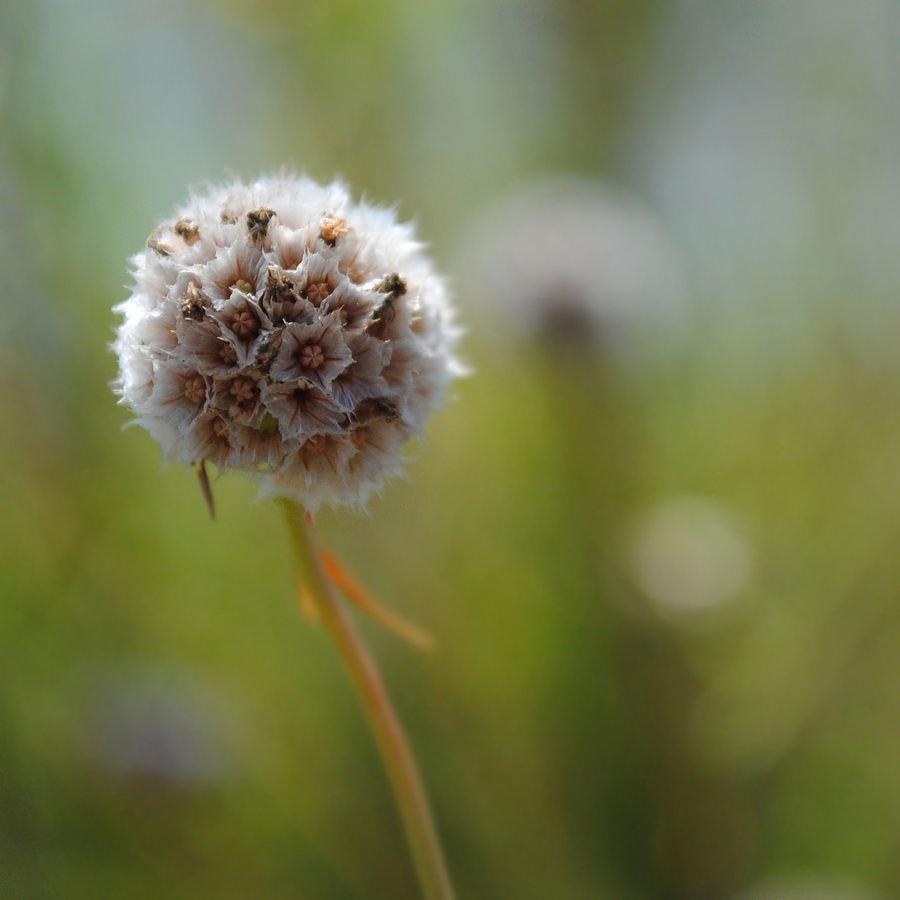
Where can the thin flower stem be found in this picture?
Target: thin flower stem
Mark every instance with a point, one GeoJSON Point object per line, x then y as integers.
{"type": "Point", "coordinates": [364, 601]}
{"type": "Point", "coordinates": [403, 774]}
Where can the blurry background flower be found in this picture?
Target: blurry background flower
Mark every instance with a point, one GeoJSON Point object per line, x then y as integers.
{"type": "Point", "coordinates": [690, 556]}
{"type": "Point", "coordinates": [158, 729]}
{"type": "Point", "coordinates": [579, 751]}
{"type": "Point", "coordinates": [570, 260]}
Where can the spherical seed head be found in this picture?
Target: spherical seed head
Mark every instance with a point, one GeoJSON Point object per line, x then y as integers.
{"type": "Point", "coordinates": [282, 329]}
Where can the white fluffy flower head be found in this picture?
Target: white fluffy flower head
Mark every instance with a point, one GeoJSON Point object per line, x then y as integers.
{"type": "Point", "coordinates": [282, 329]}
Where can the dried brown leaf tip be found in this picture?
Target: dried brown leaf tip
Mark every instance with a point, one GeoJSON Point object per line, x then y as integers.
{"type": "Point", "coordinates": [158, 246]}
{"type": "Point", "coordinates": [391, 284]}
{"type": "Point", "coordinates": [194, 303]}
{"type": "Point", "coordinates": [206, 488]}
{"type": "Point", "coordinates": [258, 223]}
{"type": "Point", "coordinates": [372, 409]}
{"type": "Point", "coordinates": [278, 284]}
{"type": "Point", "coordinates": [394, 287]}
{"type": "Point", "coordinates": [188, 231]}
{"type": "Point", "coordinates": [331, 229]}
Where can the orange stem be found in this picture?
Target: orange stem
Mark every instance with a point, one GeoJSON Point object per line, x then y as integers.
{"type": "Point", "coordinates": [399, 762]}
{"type": "Point", "coordinates": [364, 601]}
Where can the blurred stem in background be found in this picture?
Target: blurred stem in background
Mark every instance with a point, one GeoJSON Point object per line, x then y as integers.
{"type": "Point", "coordinates": [599, 471]}
{"type": "Point", "coordinates": [403, 774]}
{"type": "Point", "coordinates": [673, 828]}
{"type": "Point", "coordinates": [606, 44]}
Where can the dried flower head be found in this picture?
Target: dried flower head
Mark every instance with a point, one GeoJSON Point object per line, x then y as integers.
{"type": "Point", "coordinates": [570, 259]}
{"type": "Point", "coordinates": [282, 329]}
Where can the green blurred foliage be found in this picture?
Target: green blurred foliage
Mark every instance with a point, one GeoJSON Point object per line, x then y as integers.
{"type": "Point", "coordinates": [579, 742]}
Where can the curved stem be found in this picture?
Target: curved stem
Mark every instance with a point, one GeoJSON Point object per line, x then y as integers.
{"type": "Point", "coordinates": [403, 774]}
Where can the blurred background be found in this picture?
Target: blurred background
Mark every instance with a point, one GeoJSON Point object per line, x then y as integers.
{"type": "Point", "coordinates": [655, 533]}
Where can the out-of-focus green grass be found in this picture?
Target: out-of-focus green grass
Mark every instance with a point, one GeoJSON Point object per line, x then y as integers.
{"type": "Point", "coordinates": [576, 744]}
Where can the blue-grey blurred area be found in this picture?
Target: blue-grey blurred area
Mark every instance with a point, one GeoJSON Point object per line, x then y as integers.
{"type": "Point", "coordinates": [656, 532]}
